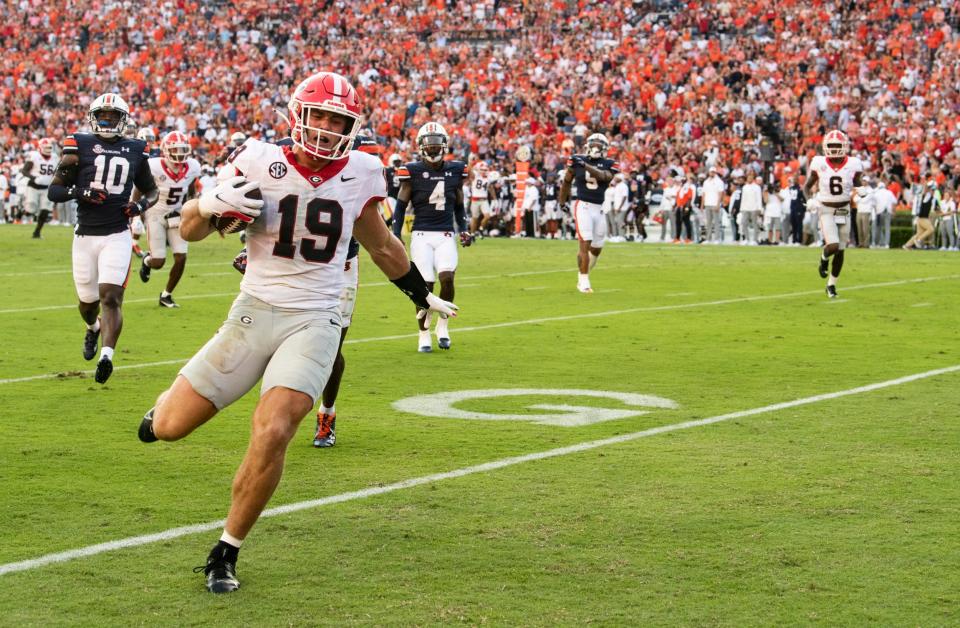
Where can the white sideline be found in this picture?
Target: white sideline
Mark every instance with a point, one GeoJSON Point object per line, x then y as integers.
{"type": "Point", "coordinates": [535, 321]}
{"type": "Point", "coordinates": [173, 533]}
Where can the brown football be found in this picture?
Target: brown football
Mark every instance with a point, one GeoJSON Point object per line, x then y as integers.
{"type": "Point", "coordinates": [230, 223]}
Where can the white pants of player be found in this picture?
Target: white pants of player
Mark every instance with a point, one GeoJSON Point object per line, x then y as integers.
{"type": "Point", "coordinates": [36, 201]}
{"type": "Point", "coordinates": [591, 223]}
{"type": "Point", "coordinates": [835, 228]}
{"type": "Point", "coordinates": [100, 260]}
{"type": "Point", "coordinates": [348, 296]}
{"type": "Point", "coordinates": [433, 252]}
{"type": "Point", "coordinates": [160, 235]}
{"type": "Point", "coordinates": [479, 207]}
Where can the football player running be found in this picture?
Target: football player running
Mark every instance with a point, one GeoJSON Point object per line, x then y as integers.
{"type": "Point", "coordinates": [137, 229]}
{"type": "Point", "coordinates": [100, 170]}
{"type": "Point", "coordinates": [435, 188]}
{"type": "Point", "coordinates": [481, 189]}
{"type": "Point", "coordinates": [176, 174]}
{"type": "Point", "coordinates": [592, 174]}
{"type": "Point", "coordinates": [38, 173]}
{"type": "Point", "coordinates": [285, 325]}
{"type": "Point", "coordinates": [833, 175]}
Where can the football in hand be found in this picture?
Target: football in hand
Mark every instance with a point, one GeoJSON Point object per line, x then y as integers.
{"type": "Point", "coordinates": [233, 222]}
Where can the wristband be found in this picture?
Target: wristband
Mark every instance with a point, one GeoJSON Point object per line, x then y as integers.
{"type": "Point", "coordinates": [413, 285]}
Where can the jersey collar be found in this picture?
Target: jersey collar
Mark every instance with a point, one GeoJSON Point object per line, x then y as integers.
{"type": "Point", "coordinates": [835, 168]}
{"type": "Point", "coordinates": [174, 176]}
{"type": "Point", "coordinates": [316, 178]}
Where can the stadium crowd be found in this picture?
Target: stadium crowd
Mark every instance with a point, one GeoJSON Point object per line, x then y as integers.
{"type": "Point", "coordinates": [745, 87]}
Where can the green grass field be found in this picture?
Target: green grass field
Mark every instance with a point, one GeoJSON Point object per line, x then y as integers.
{"type": "Point", "coordinates": [840, 510]}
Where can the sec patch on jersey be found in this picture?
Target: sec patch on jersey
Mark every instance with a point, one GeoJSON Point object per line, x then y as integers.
{"type": "Point", "coordinates": [233, 222]}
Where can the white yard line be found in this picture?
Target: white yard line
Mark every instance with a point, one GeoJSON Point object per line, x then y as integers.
{"type": "Point", "coordinates": [534, 321]}
{"type": "Point", "coordinates": [173, 533]}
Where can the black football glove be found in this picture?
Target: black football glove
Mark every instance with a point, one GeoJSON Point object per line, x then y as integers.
{"type": "Point", "coordinates": [240, 261]}
{"type": "Point", "coordinates": [466, 238]}
{"type": "Point", "coordinates": [89, 195]}
{"type": "Point", "coordinates": [575, 160]}
{"type": "Point", "coordinates": [134, 208]}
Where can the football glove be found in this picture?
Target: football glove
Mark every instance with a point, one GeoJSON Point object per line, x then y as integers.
{"type": "Point", "coordinates": [466, 238]}
{"type": "Point", "coordinates": [240, 261]}
{"type": "Point", "coordinates": [444, 308]}
{"type": "Point", "coordinates": [89, 195]}
{"type": "Point", "coordinates": [230, 198]}
{"type": "Point", "coordinates": [134, 208]}
{"type": "Point", "coordinates": [575, 160]}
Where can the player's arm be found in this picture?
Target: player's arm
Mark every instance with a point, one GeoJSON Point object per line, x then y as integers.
{"type": "Point", "coordinates": [27, 169]}
{"type": "Point", "coordinates": [564, 195]}
{"type": "Point", "coordinates": [810, 184]}
{"type": "Point", "coordinates": [146, 192]}
{"type": "Point", "coordinates": [192, 189]}
{"type": "Point", "coordinates": [63, 188]}
{"type": "Point", "coordinates": [602, 175]}
{"type": "Point", "coordinates": [388, 254]}
{"type": "Point", "coordinates": [459, 212]}
{"type": "Point", "coordinates": [403, 199]}
{"type": "Point", "coordinates": [228, 198]}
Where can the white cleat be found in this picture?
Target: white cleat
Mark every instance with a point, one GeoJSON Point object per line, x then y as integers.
{"type": "Point", "coordinates": [423, 342]}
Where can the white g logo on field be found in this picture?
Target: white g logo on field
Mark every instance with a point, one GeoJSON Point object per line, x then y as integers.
{"type": "Point", "coordinates": [565, 415]}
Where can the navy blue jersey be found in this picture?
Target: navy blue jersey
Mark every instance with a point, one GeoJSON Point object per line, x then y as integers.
{"type": "Point", "coordinates": [393, 182]}
{"type": "Point", "coordinates": [586, 188]}
{"type": "Point", "coordinates": [114, 166]}
{"type": "Point", "coordinates": [433, 193]}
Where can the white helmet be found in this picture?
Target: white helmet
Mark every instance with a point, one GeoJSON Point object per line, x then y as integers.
{"type": "Point", "coordinates": [395, 160]}
{"type": "Point", "coordinates": [238, 138]}
{"type": "Point", "coordinates": [432, 142]}
{"type": "Point", "coordinates": [146, 134]}
{"type": "Point", "coordinates": [175, 147]}
{"type": "Point", "coordinates": [835, 144]}
{"type": "Point", "coordinates": [597, 146]}
{"type": "Point", "coordinates": [103, 125]}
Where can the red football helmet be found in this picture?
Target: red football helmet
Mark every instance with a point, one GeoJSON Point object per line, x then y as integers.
{"type": "Point", "coordinates": [835, 145]}
{"type": "Point", "coordinates": [175, 147]}
{"type": "Point", "coordinates": [324, 91]}
{"type": "Point", "coordinates": [46, 146]}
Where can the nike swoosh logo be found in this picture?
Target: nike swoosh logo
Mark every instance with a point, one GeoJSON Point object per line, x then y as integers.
{"type": "Point", "coordinates": [345, 179]}
{"type": "Point", "coordinates": [217, 196]}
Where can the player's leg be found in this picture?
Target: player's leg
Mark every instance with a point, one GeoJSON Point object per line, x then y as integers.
{"type": "Point", "coordinates": [422, 254]}
{"type": "Point", "coordinates": [447, 260]}
{"type": "Point", "coordinates": [157, 242]}
{"type": "Point", "coordinates": [44, 207]}
{"type": "Point", "coordinates": [113, 268]}
{"type": "Point", "coordinates": [326, 434]}
{"type": "Point", "coordinates": [831, 242]}
{"type": "Point", "coordinates": [291, 382]}
{"type": "Point", "coordinates": [178, 246]}
{"type": "Point", "coordinates": [85, 280]}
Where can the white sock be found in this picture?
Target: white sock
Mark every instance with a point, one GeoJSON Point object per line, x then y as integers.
{"type": "Point", "coordinates": [831, 280]}
{"type": "Point", "coordinates": [106, 352]}
{"type": "Point", "coordinates": [165, 294]}
{"type": "Point", "coordinates": [583, 278]}
{"type": "Point", "coordinates": [229, 539]}
{"type": "Point", "coordinates": [442, 329]}
{"type": "Point", "coordinates": [325, 410]}
{"type": "Point", "coordinates": [95, 326]}
{"type": "Point", "coordinates": [593, 260]}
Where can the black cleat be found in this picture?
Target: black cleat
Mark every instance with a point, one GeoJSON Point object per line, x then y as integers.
{"type": "Point", "coordinates": [144, 272]}
{"type": "Point", "coordinates": [145, 433]}
{"type": "Point", "coordinates": [443, 343]}
{"type": "Point", "coordinates": [90, 344]}
{"type": "Point", "coordinates": [823, 268]}
{"type": "Point", "coordinates": [832, 292]}
{"type": "Point", "coordinates": [221, 574]}
{"type": "Point", "coordinates": [104, 369]}
{"type": "Point", "coordinates": [167, 301]}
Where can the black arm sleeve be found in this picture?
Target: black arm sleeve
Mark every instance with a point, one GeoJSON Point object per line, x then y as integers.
{"type": "Point", "coordinates": [398, 213]}
{"type": "Point", "coordinates": [60, 193]}
{"type": "Point", "coordinates": [459, 213]}
{"type": "Point", "coordinates": [146, 184]}
{"type": "Point", "coordinates": [413, 285]}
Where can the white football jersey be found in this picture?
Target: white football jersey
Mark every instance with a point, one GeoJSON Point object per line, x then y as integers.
{"type": "Point", "coordinates": [479, 186]}
{"type": "Point", "coordinates": [297, 247]}
{"type": "Point", "coordinates": [173, 183]}
{"type": "Point", "coordinates": [835, 185]}
{"type": "Point", "coordinates": [43, 167]}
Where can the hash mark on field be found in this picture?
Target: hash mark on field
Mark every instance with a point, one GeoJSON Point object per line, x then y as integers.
{"type": "Point", "coordinates": [533, 288]}
{"type": "Point", "coordinates": [921, 305]}
{"type": "Point", "coordinates": [536, 321]}
{"type": "Point", "coordinates": [680, 294]}
{"type": "Point", "coordinates": [173, 533]}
